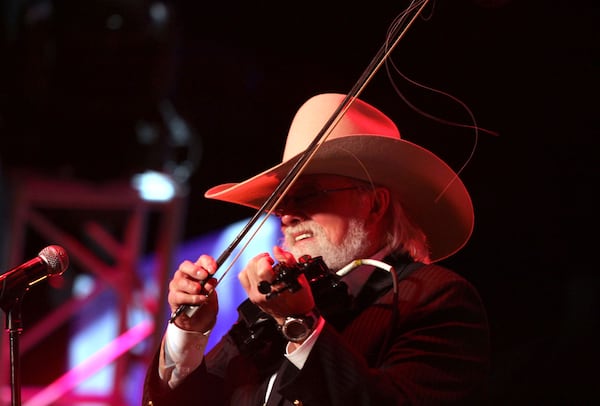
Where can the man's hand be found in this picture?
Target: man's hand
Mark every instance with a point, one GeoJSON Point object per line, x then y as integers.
{"type": "Point", "coordinates": [260, 269]}
{"type": "Point", "coordinates": [193, 284]}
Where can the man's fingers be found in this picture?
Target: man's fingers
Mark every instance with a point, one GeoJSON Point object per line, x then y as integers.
{"type": "Point", "coordinates": [283, 256]}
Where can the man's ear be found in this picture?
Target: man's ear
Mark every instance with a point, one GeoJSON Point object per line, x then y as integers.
{"type": "Point", "coordinates": [381, 201]}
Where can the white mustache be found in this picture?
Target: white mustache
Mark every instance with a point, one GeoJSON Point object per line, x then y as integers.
{"type": "Point", "coordinates": [299, 232]}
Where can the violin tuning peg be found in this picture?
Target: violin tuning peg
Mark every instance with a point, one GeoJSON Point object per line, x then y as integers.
{"type": "Point", "coordinates": [264, 287]}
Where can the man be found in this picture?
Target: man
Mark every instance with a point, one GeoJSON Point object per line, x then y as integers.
{"type": "Point", "coordinates": [392, 328]}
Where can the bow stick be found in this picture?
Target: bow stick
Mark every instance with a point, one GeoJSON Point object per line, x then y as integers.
{"type": "Point", "coordinates": [397, 32]}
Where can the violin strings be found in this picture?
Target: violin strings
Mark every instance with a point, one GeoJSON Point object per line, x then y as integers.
{"type": "Point", "coordinates": [474, 126]}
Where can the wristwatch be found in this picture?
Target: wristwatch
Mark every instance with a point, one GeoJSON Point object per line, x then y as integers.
{"type": "Point", "coordinates": [298, 328]}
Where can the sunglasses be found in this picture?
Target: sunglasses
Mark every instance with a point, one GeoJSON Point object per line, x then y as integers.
{"type": "Point", "coordinates": [305, 199]}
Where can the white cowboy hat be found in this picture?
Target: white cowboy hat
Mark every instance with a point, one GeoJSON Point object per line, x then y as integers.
{"type": "Point", "coordinates": [365, 144]}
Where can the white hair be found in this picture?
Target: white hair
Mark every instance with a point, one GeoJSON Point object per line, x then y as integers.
{"type": "Point", "coordinates": [404, 236]}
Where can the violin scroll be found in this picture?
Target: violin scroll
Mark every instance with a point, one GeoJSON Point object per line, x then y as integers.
{"type": "Point", "coordinates": [287, 275]}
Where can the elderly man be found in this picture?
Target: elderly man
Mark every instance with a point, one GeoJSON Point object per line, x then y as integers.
{"type": "Point", "coordinates": [352, 309]}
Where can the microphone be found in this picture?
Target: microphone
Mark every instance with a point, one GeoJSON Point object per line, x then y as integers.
{"type": "Point", "coordinates": [52, 260]}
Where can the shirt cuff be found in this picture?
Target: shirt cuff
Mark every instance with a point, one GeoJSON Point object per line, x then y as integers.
{"type": "Point", "coordinates": [183, 352]}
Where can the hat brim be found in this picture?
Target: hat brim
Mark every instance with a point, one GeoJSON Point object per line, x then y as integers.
{"type": "Point", "coordinates": [431, 192]}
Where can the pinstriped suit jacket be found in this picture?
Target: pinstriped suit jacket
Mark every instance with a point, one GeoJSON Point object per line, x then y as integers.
{"type": "Point", "coordinates": [437, 354]}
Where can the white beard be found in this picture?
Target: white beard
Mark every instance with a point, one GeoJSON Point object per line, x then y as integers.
{"type": "Point", "coordinates": [335, 256]}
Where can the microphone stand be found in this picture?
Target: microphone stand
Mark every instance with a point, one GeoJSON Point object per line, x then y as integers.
{"type": "Point", "coordinates": [14, 326]}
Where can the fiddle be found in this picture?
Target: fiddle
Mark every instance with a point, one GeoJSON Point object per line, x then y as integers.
{"type": "Point", "coordinates": [286, 277]}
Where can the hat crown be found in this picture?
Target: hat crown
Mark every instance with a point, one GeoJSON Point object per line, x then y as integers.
{"type": "Point", "coordinates": [360, 119]}
{"type": "Point", "coordinates": [365, 144]}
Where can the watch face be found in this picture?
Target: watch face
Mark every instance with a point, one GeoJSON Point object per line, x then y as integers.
{"type": "Point", "coordinates": [295, 329]}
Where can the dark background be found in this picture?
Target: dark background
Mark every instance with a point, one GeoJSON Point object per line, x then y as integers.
{"type": "Point", "coordinates": [73, 94]}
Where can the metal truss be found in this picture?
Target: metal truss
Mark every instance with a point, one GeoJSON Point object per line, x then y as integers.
{"type": "Point", "coordinates": [105, 229]}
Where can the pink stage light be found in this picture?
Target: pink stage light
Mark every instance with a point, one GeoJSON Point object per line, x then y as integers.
{"type": "Point", "coordinates": [100, 359]}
